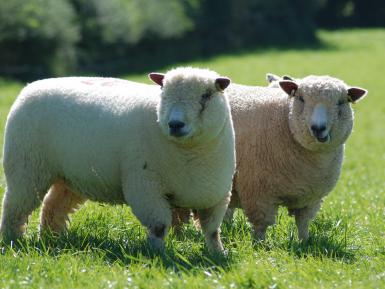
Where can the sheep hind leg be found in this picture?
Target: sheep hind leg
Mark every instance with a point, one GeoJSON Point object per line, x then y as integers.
{"type": "Point", "coordinates": [57, 205]}
{"type": "Point", "coordinates": [28, 179]}
{"type": "Point", "coordinates": [18, 204]}
{"type": "Point", "coordinates": [302, 219]}
{"type": "Point", "coordinates": [180, 216]}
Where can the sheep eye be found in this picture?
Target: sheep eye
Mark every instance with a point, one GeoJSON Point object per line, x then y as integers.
{"type": "Point", "coordinates": [300, 98]}
{"type": "Point", "coordinates": [206, 96]}
{"type": "Point", "coordinates": [341, 102]}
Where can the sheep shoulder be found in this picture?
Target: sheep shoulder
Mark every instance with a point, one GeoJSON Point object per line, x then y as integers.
{"type": "Point", "coordinates": [197, 177]}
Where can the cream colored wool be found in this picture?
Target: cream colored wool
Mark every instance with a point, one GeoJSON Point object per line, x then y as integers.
{"type": "Point", "coordinates": [107, 140]}
{"type": "Point", "coordinates": [279, 161]}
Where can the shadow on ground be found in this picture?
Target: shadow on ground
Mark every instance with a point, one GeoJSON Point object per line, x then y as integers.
{"type": "Point", "coordinates": [329, 238]}
{"type": "Point", "coordinates": [133, 248]}
{"type": "Point", "coordinates": [185, 251]}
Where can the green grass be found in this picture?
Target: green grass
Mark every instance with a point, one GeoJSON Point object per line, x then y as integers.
{"type": "Point", "coordinates": [105, 246]}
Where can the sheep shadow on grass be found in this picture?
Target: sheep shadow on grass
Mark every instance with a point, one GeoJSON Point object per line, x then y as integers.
{"type": "Point", "coordinates": [128, 248]}
{"type": "Point", "coordinates": [185, 250]}
{"type": "Point", "coordinates": [329, 238]}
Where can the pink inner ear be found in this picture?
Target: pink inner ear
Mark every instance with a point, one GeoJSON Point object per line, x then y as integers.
{"type": "Point", "coordinates": [356, 93]}
{"type": "Point", "coordinates": [157, 78]}
{"type": "Point", "coordinates": [222, 82]}
{"type": "Point", "coordinates": [288, 86]}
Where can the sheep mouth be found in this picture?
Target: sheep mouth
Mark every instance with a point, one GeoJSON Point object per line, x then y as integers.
{"type": "Point", "coordinates": [178, 133]}
{"type": "Point", "coordinates": [324, 139]}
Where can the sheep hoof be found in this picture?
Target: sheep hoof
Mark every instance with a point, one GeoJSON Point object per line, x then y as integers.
{"type": "Point", "coordinates": [259, 235]}
{"type": "Point", "coordinates": [304, 238]}
{"type": "Point", "coordinates": [156, 244]}
{"type": "Point", "coordinates": [219, 255]}
{"type": "Point", "coordinates": [11, 236]}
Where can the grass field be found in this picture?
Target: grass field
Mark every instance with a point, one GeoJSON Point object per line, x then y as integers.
{"type": "Point", "coordinates": [105, 246]}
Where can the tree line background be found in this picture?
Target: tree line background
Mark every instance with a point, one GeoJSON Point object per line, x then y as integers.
{"type": "Point", "coordinates": [40, 38]}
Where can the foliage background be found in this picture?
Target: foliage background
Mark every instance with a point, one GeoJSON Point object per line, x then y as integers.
{"type": "Point", "coordinates": [41, 38]}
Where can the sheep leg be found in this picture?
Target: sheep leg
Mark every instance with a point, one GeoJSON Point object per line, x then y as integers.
{"type": "Point", "coordinates": [27, 181]}
{"type": "Point", "coordinates": [179, 217]}
{"type": "Point", "coordinates": [150, 207]}
{"type": "Point", "coordinates": [210, 220]}
{"type": "Point", "coordinates": [303, 217]}
{"type": "Point", "coordinates": [261, 216]}
{"type": "Point", "coordinates": [229, 215]}
{"type": "Point", "coordinates": [234, 203]}
{"type": "Point", "coordinates": [18, 204]}
{"type": "Point", "coordinates": [57, 205]}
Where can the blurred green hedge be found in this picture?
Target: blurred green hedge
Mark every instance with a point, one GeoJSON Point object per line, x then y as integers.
{"type": "Point", "coordinates": [351, 13]}
{"type": "Point", "coordinates": [40, 38]}
{"type": "Point", "coordinates": [37, 37]}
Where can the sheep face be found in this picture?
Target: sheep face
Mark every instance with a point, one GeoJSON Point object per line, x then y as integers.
{"type": "Point", "coordinates": [192, 107]}
{"type": "Point", "coordinates": [320, 113]}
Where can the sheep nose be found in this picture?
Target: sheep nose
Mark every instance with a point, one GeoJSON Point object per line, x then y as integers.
{"type": "Point", "coordinates": [320, 133]}
{"type": "Point", "coordinates": [176, 128]}
{"type": "Point", "coordinates": [176, 124]}
{"type": "Point", "coordinates": [318, 129]}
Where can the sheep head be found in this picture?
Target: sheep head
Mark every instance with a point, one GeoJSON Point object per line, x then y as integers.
{"type": "Point", "coordinates": [193, 107]}
{"type": "Point", "coordinates": [320, 113]}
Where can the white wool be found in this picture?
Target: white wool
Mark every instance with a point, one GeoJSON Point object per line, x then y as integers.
{"type": "Point", "coordinates": [100, 139]}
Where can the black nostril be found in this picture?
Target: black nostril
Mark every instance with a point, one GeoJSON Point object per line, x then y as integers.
{"type": "Point", "coordinates": [318, 128]}
{"type": "Point", "coordinates": [176, 124]}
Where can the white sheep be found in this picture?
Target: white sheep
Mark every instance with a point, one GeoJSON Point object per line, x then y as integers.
{"type": "Point", "coordinates": [290, 147]}
{"type": "Point", "coordinates": [116, 141]}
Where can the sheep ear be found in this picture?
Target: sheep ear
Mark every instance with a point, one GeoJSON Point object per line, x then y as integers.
{"type": "Point", "coordinates": [355, 93]}
{"type": "Point", "coordinates": [221, 83]}
{"type": "Point", "coordinates": [271, 77]}
{"type": "Point", "coordinates": [289, 86]}
{"type": "Point", "coordinates": [157, 78]}
{"type": "Point", "coordinates": [287, 77]}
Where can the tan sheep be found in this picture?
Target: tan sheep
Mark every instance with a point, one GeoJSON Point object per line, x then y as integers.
{"type": "Point", "coordinates": [290, 146]}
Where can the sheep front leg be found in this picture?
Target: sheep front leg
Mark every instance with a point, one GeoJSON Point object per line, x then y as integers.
{"type": "Point", "coordinates": [210, 220]}
{"type": "Point", "coordinates": [303, 217]}
{"type": "Point", "coordinates": [234, 203]}
{"type": "Point", "coordinates": [151, 209]}
{"type": "Point", "coordinates": [261, 215]}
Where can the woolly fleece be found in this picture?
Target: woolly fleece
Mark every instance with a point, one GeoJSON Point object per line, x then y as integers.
{"type": "Point", "coordinates": [99, 139]}
{"type": "Point", "coordinates": [278, 160]}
